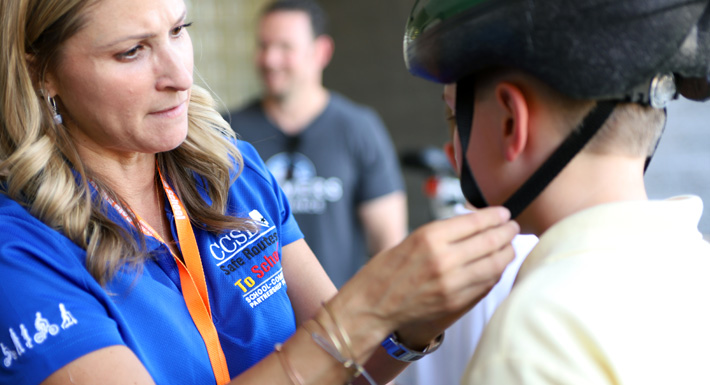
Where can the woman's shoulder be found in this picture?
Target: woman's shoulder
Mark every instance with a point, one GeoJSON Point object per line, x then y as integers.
{"type": "Point", "coordinates": [28, 246]}
{"type": "Point", "coordinates": [18, 227]}
{"type": "Point", "coordinates": [53, 310]}
{"type": "Point", "coordinates": [15, 216]}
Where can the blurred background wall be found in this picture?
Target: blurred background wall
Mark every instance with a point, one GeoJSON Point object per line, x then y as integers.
{"type": "Point", "coordinates": [223, 38]}
{"type": "Point", "coordinates": [368, 68]}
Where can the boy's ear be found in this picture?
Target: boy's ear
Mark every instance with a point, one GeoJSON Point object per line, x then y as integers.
{"type": "Point", "coordinates": [516, 118]}
{"type": "Point", "coordinates": [451, 155]}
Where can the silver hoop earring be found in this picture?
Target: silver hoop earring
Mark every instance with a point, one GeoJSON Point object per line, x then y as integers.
{"type": "Point", "coordinates": [55, 111]}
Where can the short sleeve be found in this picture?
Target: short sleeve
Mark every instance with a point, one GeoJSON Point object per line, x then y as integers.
{"type": "Point", "coordinates": [53, 312]}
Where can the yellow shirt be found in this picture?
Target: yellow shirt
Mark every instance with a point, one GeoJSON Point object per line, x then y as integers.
{"type": "Point", "coordinates": [615, 294]}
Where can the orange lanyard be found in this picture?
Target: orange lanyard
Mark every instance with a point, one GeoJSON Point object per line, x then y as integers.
{"type": "Point", "coordinates": [192, 278]}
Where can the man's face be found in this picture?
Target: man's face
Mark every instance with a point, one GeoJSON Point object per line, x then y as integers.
{"type": "Point", "coordinates": [287, 56]}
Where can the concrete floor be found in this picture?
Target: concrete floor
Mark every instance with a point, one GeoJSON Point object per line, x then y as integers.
{"type": "Point", "coordinates": [682, 162]}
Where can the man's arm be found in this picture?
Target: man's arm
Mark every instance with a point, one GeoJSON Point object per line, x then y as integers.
{"type": "Point", "coordinates": [384, 220]}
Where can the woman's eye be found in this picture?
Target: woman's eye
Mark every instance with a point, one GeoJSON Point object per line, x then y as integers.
{"type": "Point", "coordinates": [131, 53]}
{"type": "Point", "coordinates": [177, 31]}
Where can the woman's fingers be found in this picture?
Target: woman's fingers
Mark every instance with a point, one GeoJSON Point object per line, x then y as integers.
{"type": "Point", "coordinates": [476, 278]}
{"type": "Point", "coordinates": [439, 271]}
{"type": "Point", "coordinates": [465, 226]}
{"type": "Point", "coordinates": [484, 243]}
{"type": "Point", "coordinates": [456, 294]}
{"type": "Point", "coordinates": [447, 257]}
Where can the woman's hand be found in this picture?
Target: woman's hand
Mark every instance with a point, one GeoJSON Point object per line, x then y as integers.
{"type": "Point", "coordinates": [438, 273]}
{"type": "Point", "coordinates": [417, 288]}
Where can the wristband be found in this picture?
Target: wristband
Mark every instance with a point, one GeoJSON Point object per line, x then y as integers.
{"type": "Point", "coordinates": [402, 353]}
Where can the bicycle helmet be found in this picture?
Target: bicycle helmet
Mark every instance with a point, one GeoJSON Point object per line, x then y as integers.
{"type": "Point", "coordinates": [642, 51]}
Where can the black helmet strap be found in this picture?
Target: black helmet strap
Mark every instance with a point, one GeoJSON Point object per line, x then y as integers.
{"type": "Point", "coordinates": [465, 97]}
{"type": "Point", "coordinates": [575, 142]}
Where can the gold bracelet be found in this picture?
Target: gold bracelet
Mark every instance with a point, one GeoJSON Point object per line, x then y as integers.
{"type": "Point", "coordinates": [292, 375]}
{"type": "Point", "coordinates": [343, 334]}
{"type": "Point", "coordinates": [333, 338]}
{"type": "Point", "coordinates": [351, 364]}
{"type": "Point", "coordinates": [352, 368]}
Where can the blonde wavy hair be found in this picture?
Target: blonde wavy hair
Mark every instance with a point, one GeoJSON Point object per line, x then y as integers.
{"type": "Point", "coordinates": [40, 167]}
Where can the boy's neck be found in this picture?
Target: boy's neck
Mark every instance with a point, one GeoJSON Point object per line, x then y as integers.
{"type": "Point", "coordinates": [589, 180]}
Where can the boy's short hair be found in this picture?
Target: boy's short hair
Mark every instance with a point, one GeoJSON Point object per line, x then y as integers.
{"type": "Point", "coordinates": [631, 130]}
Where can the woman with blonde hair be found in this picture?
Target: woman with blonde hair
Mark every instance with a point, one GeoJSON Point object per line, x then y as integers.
{"type": "Point", "coordinates": [141, 243]}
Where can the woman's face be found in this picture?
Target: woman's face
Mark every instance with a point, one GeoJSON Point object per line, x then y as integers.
{"type": "Point", "coordinates": [124, 79]}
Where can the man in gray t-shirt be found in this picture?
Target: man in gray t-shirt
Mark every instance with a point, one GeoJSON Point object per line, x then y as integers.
{"type": "Point", "coordinates": [332, 157]}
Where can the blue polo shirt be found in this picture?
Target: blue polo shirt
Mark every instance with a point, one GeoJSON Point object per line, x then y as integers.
{"type": "Point", "coordinates": [52, 311]}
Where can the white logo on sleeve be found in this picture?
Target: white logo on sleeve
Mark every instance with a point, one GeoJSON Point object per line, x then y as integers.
{"type": "Point", "coordinates": [9, 355]}
{"type": "Point", "coordinates": [67, 319]}
{"type": "Point", "coordinates": [26, 336]}
{"type": "Point", "coordinates": [16, 341]}
{"type": "Point", "coordinates": [44, 329]}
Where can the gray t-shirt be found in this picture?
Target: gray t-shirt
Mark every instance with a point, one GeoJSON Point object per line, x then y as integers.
{"type": "Point", "coordinates": [343, 158]}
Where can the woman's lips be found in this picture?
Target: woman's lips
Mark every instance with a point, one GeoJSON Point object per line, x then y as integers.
{"type": "Point", "coordinates": [172, 112]}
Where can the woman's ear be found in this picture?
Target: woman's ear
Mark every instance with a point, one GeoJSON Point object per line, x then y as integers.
{"type": "Point", "coordinates": [46, 82]}
{"type": "Point", "coordinates": [49, 85]}
{"type": "Point", "coordinates": [515, 124]}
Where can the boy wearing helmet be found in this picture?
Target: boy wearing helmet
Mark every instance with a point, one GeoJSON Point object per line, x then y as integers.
{"type": "Point", "coordinates": [559, 106]}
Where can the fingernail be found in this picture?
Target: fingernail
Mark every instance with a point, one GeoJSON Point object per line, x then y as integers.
{"type": "Point", "coordinates": [504, 213]}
